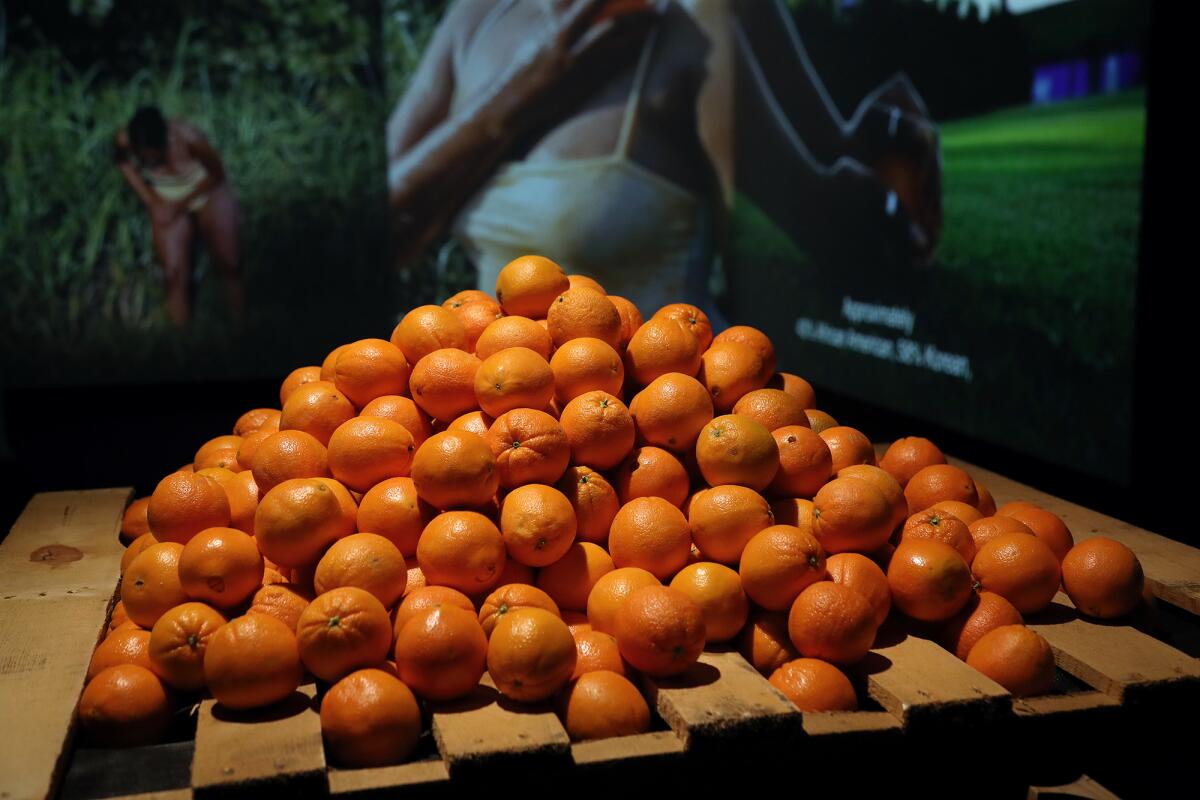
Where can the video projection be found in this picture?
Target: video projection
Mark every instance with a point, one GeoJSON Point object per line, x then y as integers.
{"type": "Point", "coordinates": [987, 281]}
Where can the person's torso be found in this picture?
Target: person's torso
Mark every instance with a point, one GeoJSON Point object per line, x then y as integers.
{"type": "Point", "coordinates": [180, 173]}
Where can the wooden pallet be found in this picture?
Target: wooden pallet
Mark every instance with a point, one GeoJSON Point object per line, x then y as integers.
{"type": "Point", "coordinates": [59, 566]}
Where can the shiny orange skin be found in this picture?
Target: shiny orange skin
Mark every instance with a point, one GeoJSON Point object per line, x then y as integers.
{"type": "Point", "coordinates": [611, 591]}
{"type": "Point", "coordinates": [150, 586]}
{"type": "Point", "coordinates": [941, 527]}
{"type": "Point", "coordinates": [392, 509]}
{"type": "Point", "coordinates": [426, 329]}
{"type": "Point", "coordinates": [692, 318]}
{"type": "Point", "coordinates": [441, 653]}
{"type": "Point", "coordinates": [135, 549]}
{"type": "Point", "coordinates": [515, 377]}
{"type": "Point", "coordinates": [955, 508]}
{"type": "Point", "coordinates": [570, 579]}
{"type": "Point", "coordinates": [510, 597]}
{"type": "Point", "coordinates": [765, 642]}
{"type": "Point", "coordinates": [136, 521]}
{"type": "Point", "coordinates": [660, 346]}
{"type": "Point", "coordinates": [778, 563]}
{"type": "Point", "coordinates": [660, 631]}
{"type": "Point", "coordinates": [717, 589]}
{"type": "Point", "coordinates": [736, 449]}
{"type": "Point", "coordinates": [583, 312]}
{"type": "Point", "coordinates": [652, 534]}
{"type": "Point", "coordinates": [929, 580]}
{"type": "Point", "coordinates": [984, 529]}
{"type": "Point", "coordinates": [125, 705]}
{"type": "Point", "coordinates": [631, 317]}
{"type": "Point", "coordinates": [295, 379]}
{"type": "Point", "coordinates": [1103, 578]}
{"type": "Point", "coordinates": [318, 409]}
{"type": "Point", "coordinates": [886, 484]}
{"type": "Point", "coordinates": [476, 317]}
{"type": "Point", "coordinates": [756, 340]}
{"type": "Point", "coordinates": [730, 370]}
{"type": "Point", "coordinates": [1047, 526]}
{"type": "Point", "coordinates": [772, 408]}
{"type": "Point", "coordinates": [598, 651]}
{"type": "Point", "coordinates": [984, 612]}
{"type": "Point", "coordinates": [221, 566]}
{"type": "Point", "coordinates": [342, 630]}
{"type": "Point", "coordinates": [848, 447]}
{"type": "Point", "coordinates": [526, 286]}
{"type": "Point", "coordinates": [126, 645]}
{"type": "Point", "coordinates": [851, 515]}
{"type": "Point", "coordinates": [805, 463]}
{"type": "Point", "coordinates": [531, 654]}
{"type": "Point", "coordinates": [183, 504]}
{"type": "Point", "coordinates": [671, 411]}
{"type": "Point", "coordinates": [815, 685]}
{"type": "Point", "coordinates": [602, 704]}
{"type": "Point", "coordinates": [443, 383]}
{"type": "Point", "coordinates": [424, 598]}
{"type": "Point", "coordinates": [453, 469]}
{"type": "Point", "coordinates": [514, 332]}
{"type": "Point", "coordinates": [586, 364]}
{"type": "Point", "coordinates": [298, 519]}
{"type": "Point", "coordinates": [933, 484]}
{"type": "Point", "coordinates": [832, 622]}
{"type": "Point", "coordinates": [599, 429]}
{"type": "Point", "coordinates": [1022, 569]}
{"type": "Point", "coordinates": [652, 472]}
{"type": "Point", "coordinates": [463, 550]}
{"type": "Point", "coordinates": [179, 641]}
{"type": "Point", "coordinates": [530, 447]}
{"type": "Point", "coordinates": [402, 410]}
{"type": "Point", "coordinates": [252, 661]}
{"type": "Point", "coordinates": [286, 455]}
{"type": "Point", "coordinates": [284, 601]}
{"type": "Point", "coordinates": [1017, 658]}
{"type": "Point", "coordinates": [366, 560]}
{"type": "Point", "coordinates": [367, 450]}
{"type": "Point", "coordinates": [908, 456]}
{"type": "Point", "coordinates": [820, 421]}
{"type": "Point", "coordinates": [594, 499]}
{"type": "Point", "coordinates": [370, 719]}
{"type": "Point", "coordinates": [864, 576]}
{"type": "Point", "coordinates": [370, 368]}
{"type": "Point", "coordinates": [537, 523]}
{"type": "Point", "coordinates": [724, 518]}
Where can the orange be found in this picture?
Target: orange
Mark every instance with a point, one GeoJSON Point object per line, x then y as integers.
{"type": "Point", "coordinates": [404, 411]}
{"type": "Point", "coordinates": [252, 661]}
{"type": "Point", "coordinates": [765, 642]}
{"type": "Point", "coordinates": [577, 621]}
{"type": "Point", "coordinates": [284, 601]}
{"type": "Point", "coordinates": [221, 566]}
{"type": "Point", "coordinates": [984, 529]}
{"type": "Point", "coordinates": [150, 586]}
{"type": "Point", "coordinates": [652, 534]}
{"type": "Point", "coordinates": [857, 572]}
{"type": "Point", "coordinates": [220, 451]}
{"type": "Point", "coordinates": [586, 364]}
{"type": "Point", "coordinates": [527, 285]}
{"type": "Point", "coordinates": [126, 645]}
{"type": "Point", "coordinates": [330, 360]}
{"type": "Point", "coordinates": [298, 519]}
{"type": "Point", "coordinates": [797, 387]}
{"type": "Point", "coordinates": [537, 523]}
{"type": "Point", "coordinates": [596, 651]}
{"type": "Point", "coordinates": [717, 589]}
{"type": "Point", "coordinates": [661, 346]}
{"type": "Point", "coordinates": [885, 483]}
{"type": "Point", "coordinates": [136, 521]}
{"type": "Point", "coordinates": [1007, 509]}
{"type": "Point", "coordinates": [848, 447]}
{"type": "Point", "coordinates": [730, 370]}
{"type": "Point", "coordinates": [392, 509]}
{"type": "Point", "coordinates": [370, 719]}
{"type": "Point", "coordinates": [510, 597]}
{"type": "Point", "coordinates": [463, 550]}
{"type": "Point", "coordinates": [183, 504]}
{"type": "Point", "coordinates": [757, 341]}
{"type": "Point", "coordinates": [370, 368]}
{"type": "Point", "coordinates": [295, 379]}
{"type": "Point", "coordinates": [515, 377]}
{"type": "Point", "coordinates": [778, 563]}
{"type": "Point", "coordinates": [660, 631]}
{"type": "Point", "coordinates": [1022, 569]}
{"type": "Point", "coordinates": [346, 502]}
{"type": "Point", "coordinates": [460, 299]}
{"type": "Point", "coordinates": [1103, 578]}
{"type": "Point", "coordinates": [941, 527]}
{"type": "Point", "coordinates": [286, 455]}
{"type": "Point", "coordinates": [929, 580]}
{"type": "Point", "coordinates": [179, 641]}
{"type": "Point", "coordinates": [815, 685]}
{"type": "Point", "coordinates": [1047, 526]}
{"type": "Point", "coordinates": [475, 422]}
{"type": "Point", "coordinates": [609, 594]}
{"type": "Point", "coordinates": [475, 317]}
{"type": "Point", "coordinates": [599, 429]}
{"type": "Point", "coordinates": [530, 447]}
{"type": "Point", "coordinates": [416, 580]}
{"type": "Point", "coordinates": [255, 419]}
{"type": "Point", "coordinates": [426, 329]}
{"type": "Point", "coordinates": [908, 456]}
{"type": "Point", "coordinates": [933, 484]}
{"type": "Point", "coordinates": [805, 463]}
{"type": "Point", "coordinates": [367, 450]}
{"type": "Point", "coordinates": [772, 408]}
{"type": "Point", "coordinates": [671, 411]}
{"type": "Point", "coordinates": [986, 504]}
{"type": "Point", "coordinates": [851, 515]}
{"type": "Point", "coordinates": [453, 469]}
{"type": "Point", "coordinates": [652, 472]}
{"type": "Point", "coordinates": [443, 383]}
{"type": "Point", "coordinates": [513, 332]}
{"type": "Point", "coordinates": [631, 318]}
{"type": "Point", "coordinates": [583, 312]}
{"type": "Point", "coordinates": [119, 616]}
{"type": "Point", "coordinates": [832, 622]}
{"type": "Point", "coordinates": [984, 612]}
{"type": "Point", "coordinates": [695, 320]}
{"type": "Point", "coordinates": [594, 500]}
{"type": "Point", "coordinates": [1017, 658]}
{"type": "Point", "coordinates": [794, 511]}
{"type": "Point", "coordinates": [316, 408]}
{"type": "Point", "coordinates": [134, 550]}
{"type": "Point", "coordinates": [249, 447]}
{"type": "Point", "coordinates": [242, 493]}
{"type": "Point", "coordinates": [819, 420]}
{"type": "Point", "coordinates": [724, 518]}
{"type": "Point", "coordinates": [602, 704]}
{"type": "Point", "coordinates": [531, 654]}
{"type": "Point", "coordinates": [425, 598]}
{"type": "Point", "coordinates": [968, 514]}
{"type": "Point", "coordinates": [342, 630]}
{"type": "Point", "coordinates": [736, 449]}
{"type": "Point", "coordinates": [367, 561]}
{"type": "Point", "coordinates": [125, 706]}
{"type": "Point", "coordinates": [441, 653]}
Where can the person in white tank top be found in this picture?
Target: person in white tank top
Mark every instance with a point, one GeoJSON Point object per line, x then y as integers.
{"type": "Point", "coordinates": [604, 141]}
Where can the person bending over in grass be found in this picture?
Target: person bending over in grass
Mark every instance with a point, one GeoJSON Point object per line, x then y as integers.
{"type": "Point", "coordinates": [179, 177]}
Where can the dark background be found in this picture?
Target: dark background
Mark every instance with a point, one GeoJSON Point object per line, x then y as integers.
{"type": "Point", "coordinates": [69, 437]}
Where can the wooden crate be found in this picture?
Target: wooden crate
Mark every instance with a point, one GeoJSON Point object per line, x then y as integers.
{"type": "Point", "coordinates": [60, 564]}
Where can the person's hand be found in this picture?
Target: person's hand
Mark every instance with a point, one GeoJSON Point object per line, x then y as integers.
{"type": "Point", "coordinates": [165, 212]}
{"type": "Point", "coordinates": [912, 167]}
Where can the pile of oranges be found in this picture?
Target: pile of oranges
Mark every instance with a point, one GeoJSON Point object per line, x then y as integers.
{"type": "Point", "coordinates": [548, 488]}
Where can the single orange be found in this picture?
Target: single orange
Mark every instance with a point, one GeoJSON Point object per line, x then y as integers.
{"type": "Point", "coordinates": [370, 719]}
{"type": "Point", "coordinates": [537, 523]}
{"type": "Point", "coordinates": [150, 586]}
{"type": "Point", "coordinates": [857, 572]}
{"type": "Point", "coordinates": [1022, 569]}
{"type": "Point", "coordinates": [984, 529]}
{"type": "Point", "coordinates": [136, 521]}
{"type": "Point", "coordinates": [135, 549]}
{"type": "Point", "coordinates": [652, 534]}
{"type": "Point", "coordinates": [526, 286]}
{"type": "Point", "coordinates": [908, 456]}
{"type": "Point", "coordinates": [460, 299]}
{"type": "Point", "coordinates": [671, 411]}
{"type": "Point", "coordinates": [583, 312]}
{"type": "Point", "coordinates": [513, 332]}
{"type": "Point", "coordinates": [128, 644]}
{"type": "Point", "coordinates": [661, 346]}
{"type": "Point", "coordinates": [797, 387]}
{"type": "Point", "coordinates": [964, 512]}
{"type": "Point", "coordinates": [475, 422]}
{"type": "Point", "coordinates": [599, 429]}
{"type": "Point", "coordinates": [443, 383]}
{"type": "Point", "coordinates": [851, 515]}
{"type": "Point", "coordinates": [252, 661]}
{"type": "Point", "coordinates": [848, 447]}
{"type": "Point", "coordinates": [820, 421]}
{"type": "Point", "coordinates": [1103, 578]}
{"type": "Point", "coordinates": [402, 410]}
{"type": "Point", "coordinates": [515, 377]}
{"type": "Point", "coordinates": [426, 329]}
{"type": "Point", "coordinates": [695, 320]}
{"type": "Point", "coordinates": [370, 368]}
{"type": "Point", "coordinates": [815, 685]}
{"type": "Point", "coordinates": [765, 642]}
{"type": "Point", "coordinates": [365, 560]}
{"type": "Point", "coordinates": [724, 518]}
{"type": "Point", "coordinates": [730, 370]}
{"type": "Point", "coordinates": [885, 483]}
{"type": "Point", "coordinates": [832, 622]}
{"type": "Point", "coordinates": [463, 550]}
{"type": "Point", "coordinates": [221, 566]}
{"type": "Point", "coordinates": [178, 643]}
{"type": "Point", "coordinates": [454, 469]}
{"type": "Point", "coordinates": [941, 527]}
{"type": "Point", "coordinates": [510, 597]}
{"type": "Point", "coordinates": [772, 408]}
{"type": "Point", "coordinates": [805, 463]}
{"type": "Point", "coordinates": [392, 509]}
{"type": "Point", "coordinates": [367, 450]}
{"type": "Point", "coordinates": [475, 318]}
{"type": "Point", "coordinates": [342, 630]}
{"type": "Point", "coordinates": [531, 654]}
{"type": "Point", "coordinates": [298, 519]}
{"type": "Point", "coordinates": [757, 341]}
{"type": "Point", "coordinates": [595, 502]}
{"type": "Point", "coordinates": [295, 379]}
{"type": "Point", "coordinates": [660, 631]}
{"type": "Point", "coordinates": [424, 598]}
{"type": "Point", "coordinates": [284, 601]}
{"type": "Point", "coordinates": [610, 593]}
{"type": "Point", "coordinates": [778, 563]}
{"type": "Point", "coordinates": [596, 651]}
{"type": "Point", "coordinates": [1047, 526]}
{"type": "Point", "coordinates": [717, 589]}
{"type": "Point", "coordinates": [124, 706]}
{"type": "Point", "coordinates": [736, 449]}
{"type": "Point", "coordinates": [441, 653]}
{"type": "Point", "coordinates": [631, 318]}
{"type": "Point", "coordinates": [329, 361]}
{"type": "Point", "coordinates": [183, 504]}
{"type": "Point", "coordinates": [530, 447]}
{"type": "Point", "coordinates": [316, 408]}
{"type": "Point", "coordinates": [1017, 658]}
{"type": "Point", "coordinates": [933, 484]}
{"type": "Point", "coordinates": [929, 580]}
{"type": "Point", "coordinates": [586, 364]}
{"type": "Point", "coordinates": [602, 704]}
{"type": "Point", "coordinates": [652, 472]}
{"type": "Point", "coordinates": [286, 455]}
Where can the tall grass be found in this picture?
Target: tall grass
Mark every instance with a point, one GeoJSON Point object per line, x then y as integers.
{"type": "Point", "coordinates": [81, 290]}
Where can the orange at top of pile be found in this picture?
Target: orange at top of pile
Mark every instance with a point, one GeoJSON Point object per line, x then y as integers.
{"type": "Point", "coordinates": [587, 495]}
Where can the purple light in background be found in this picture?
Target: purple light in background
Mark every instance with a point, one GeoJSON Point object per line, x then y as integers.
{"type": "Point", "coordinates": [1120, 71]}
{"type": "Point", "coordinates": [1053, 83]}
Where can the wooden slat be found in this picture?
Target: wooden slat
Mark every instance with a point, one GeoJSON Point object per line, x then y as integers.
{"type": "Point", "coordinates": [1050, 705]}
{"type": "Point", "coordinates": [1084, 788]}
{"type": "Point", "coordinates": [1118, 660]}
{"type": "Point", "coordinates": [406, 778]}
{"type": "Point", "coordinates": [277, 748]}
{"type": "Point", "coordinates": [169, 794]}
{"type": "Point", "coordinates": [625, 750]}
{"type": "Point", "coordinates": [723, 699]}
{"type": "Point", "coordinates": [58, 569]}
{"type": "Point", "coordinates": [923, 684]}
{"type": "Point", "coordinates": [836, 724]}
{"type": "Point", "coordinates": [1172, 568]}
{"type": "Point", "coordinates": [485, 731]}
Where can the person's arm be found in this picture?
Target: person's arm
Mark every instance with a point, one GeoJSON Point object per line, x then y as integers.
{"type": "Point", "coordinates": [121, 154]}
{"type": "Point", "coordinates": [200, 149]}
